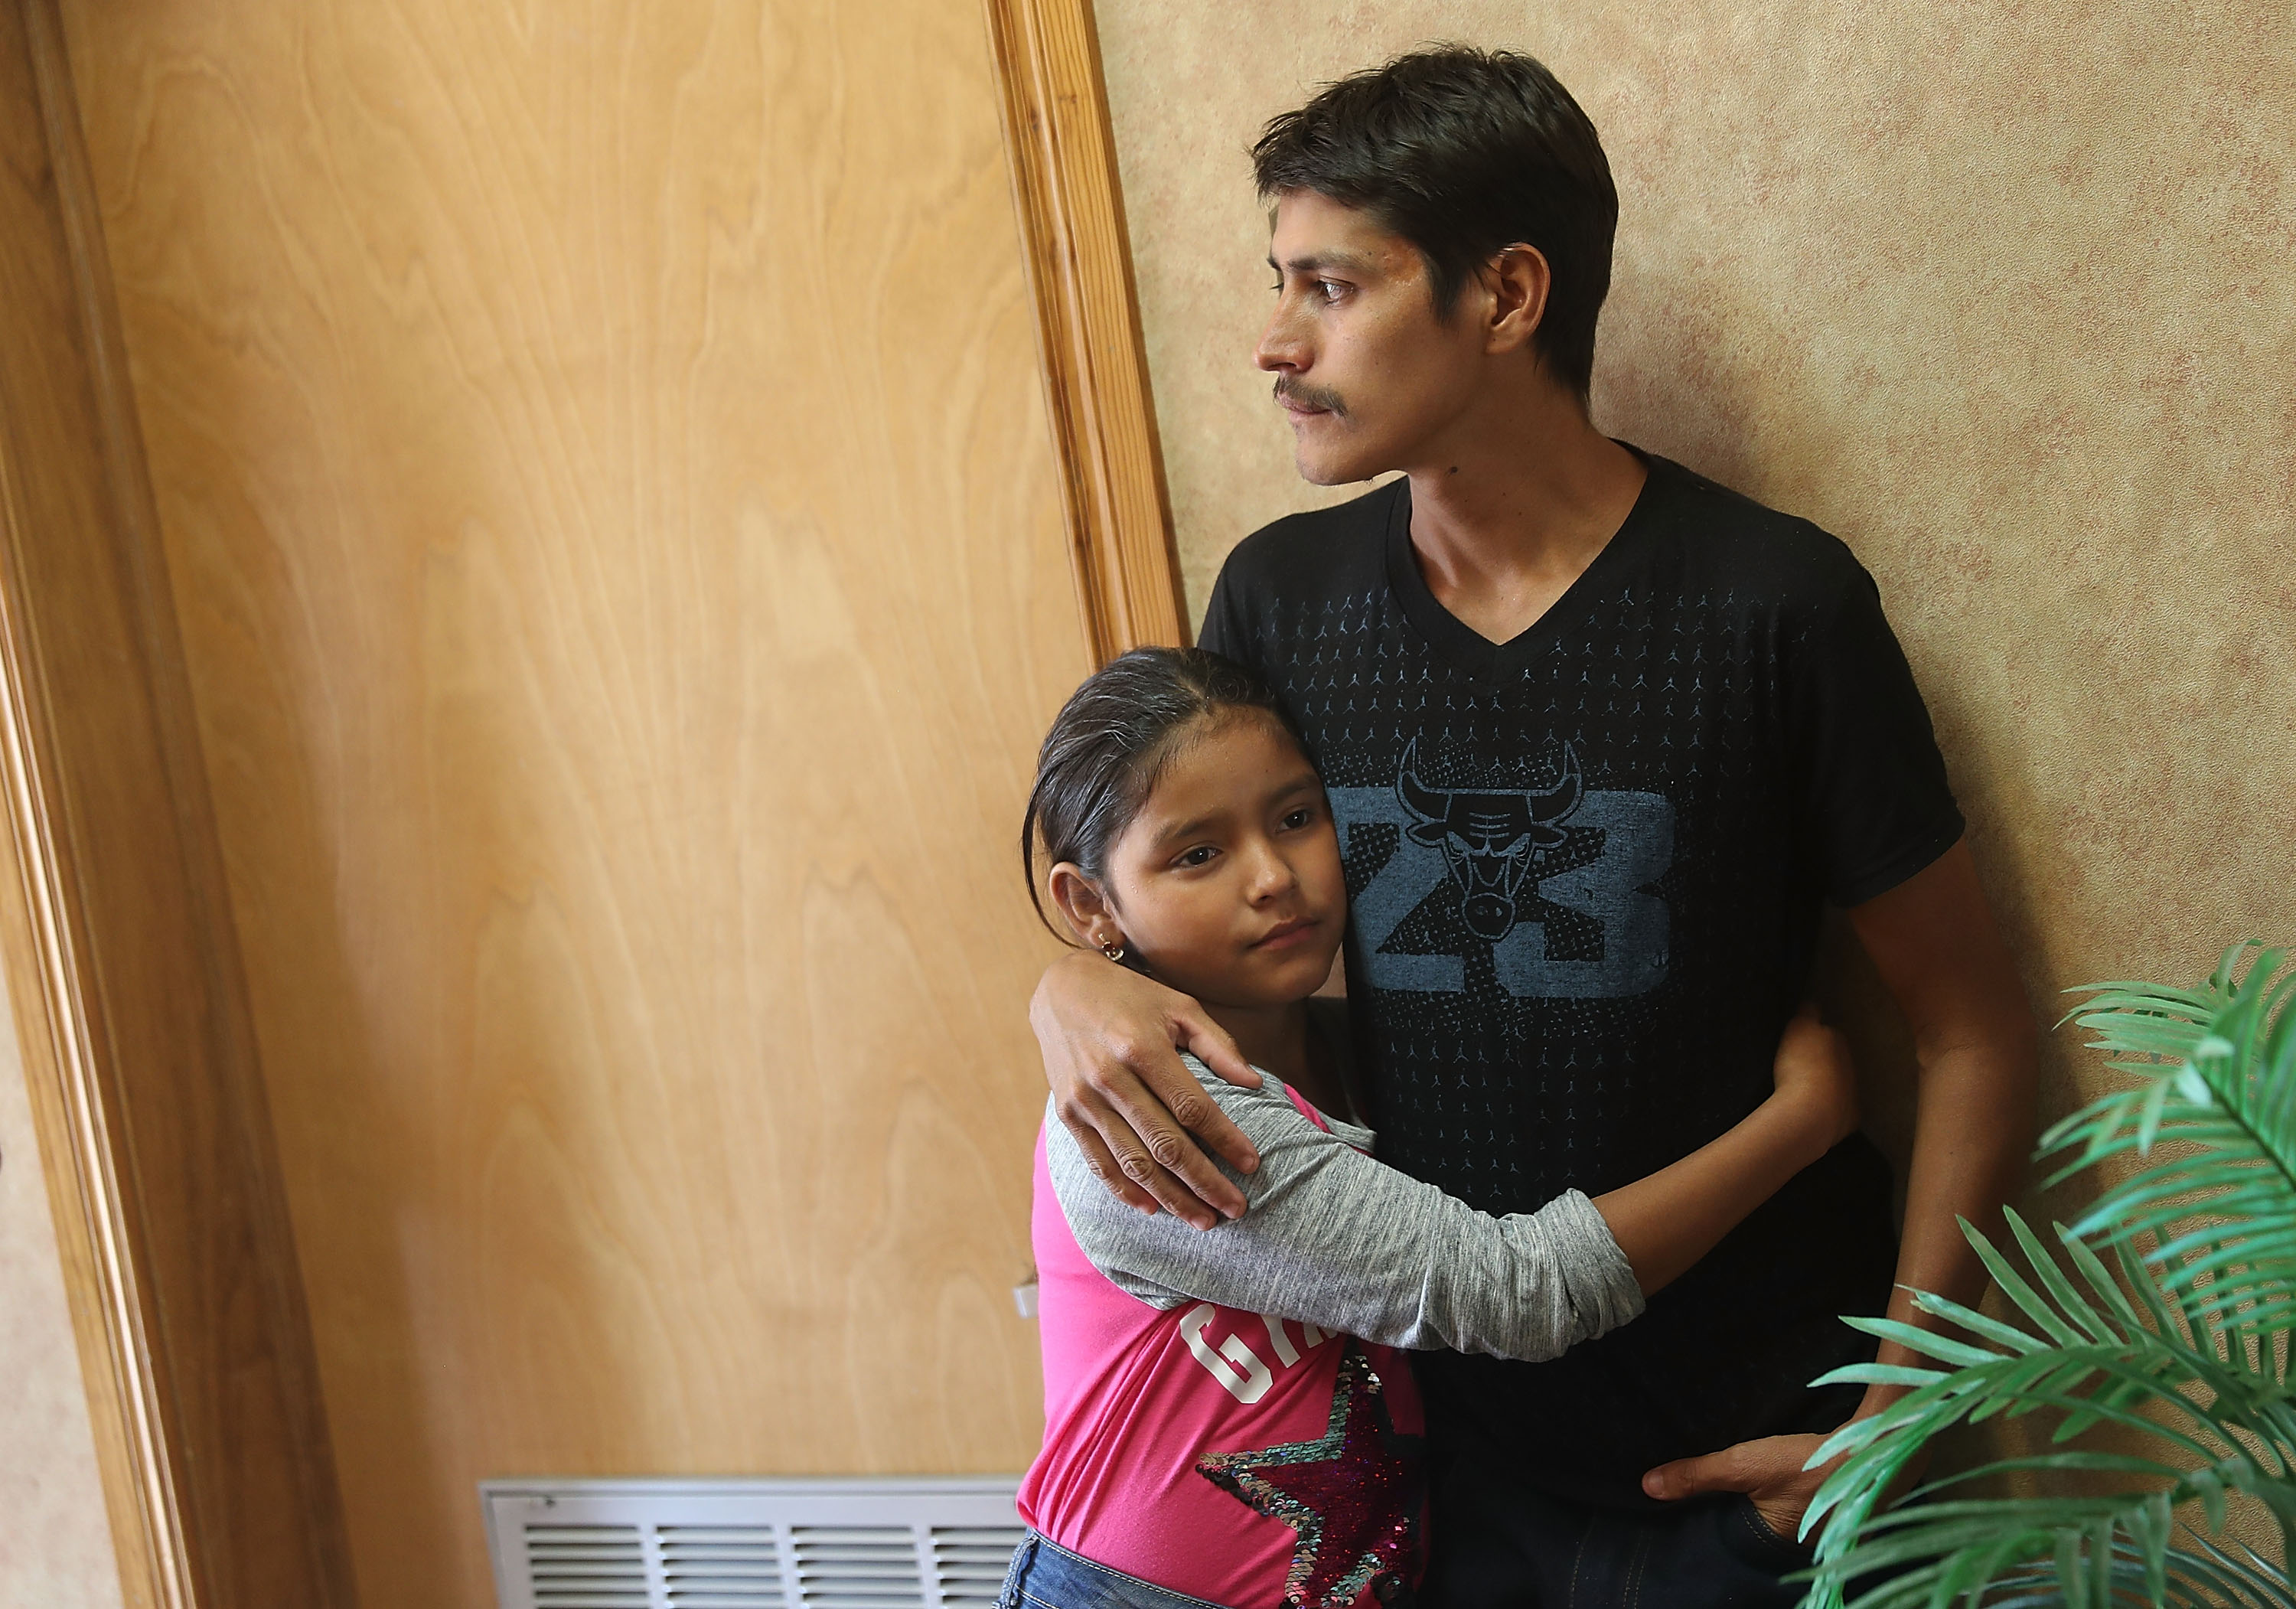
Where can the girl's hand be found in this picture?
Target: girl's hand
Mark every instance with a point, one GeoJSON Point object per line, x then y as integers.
{"type": "Point", "coordinates": [1816, 1079]}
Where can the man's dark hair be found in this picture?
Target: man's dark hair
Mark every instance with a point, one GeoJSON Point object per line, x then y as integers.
{"type": "Point", "coordinates": [1463, 151]}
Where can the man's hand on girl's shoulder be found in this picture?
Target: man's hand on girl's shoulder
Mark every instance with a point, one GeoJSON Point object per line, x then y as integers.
{"type": "Point", "coordinates": [1112, 1042]}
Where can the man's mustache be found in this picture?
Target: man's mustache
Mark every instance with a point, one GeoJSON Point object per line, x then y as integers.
{"type": "Point", "coordinates": [1299, 393]}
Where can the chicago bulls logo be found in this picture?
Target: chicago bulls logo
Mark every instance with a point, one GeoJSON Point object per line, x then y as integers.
{"type": "Point", "coordinates": [1490, 838]}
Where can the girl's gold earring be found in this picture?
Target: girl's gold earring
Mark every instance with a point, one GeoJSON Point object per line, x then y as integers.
{"type": "Point", "coordinates": [1113, 950]}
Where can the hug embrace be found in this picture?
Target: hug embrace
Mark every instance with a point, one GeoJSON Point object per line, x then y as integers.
{"type": "Point", "coordinates": [1501, 1280]}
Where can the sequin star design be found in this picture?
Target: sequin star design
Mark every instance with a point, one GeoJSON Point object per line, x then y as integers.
{"type": "Point", "coordinates": [1352, 1494]}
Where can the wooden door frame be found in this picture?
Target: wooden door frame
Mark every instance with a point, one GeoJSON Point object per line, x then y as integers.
{"type": "Point", "coordinates": [1096, 367]}
{"type": "Point", "coordinates": [116, 933]}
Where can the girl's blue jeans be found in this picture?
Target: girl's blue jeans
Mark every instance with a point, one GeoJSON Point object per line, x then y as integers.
{"type": "Point", "coordinates": [1045, 1575]}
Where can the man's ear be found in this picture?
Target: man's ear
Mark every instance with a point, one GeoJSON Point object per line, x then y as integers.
{"type": "Point", "coordinates": [1084, 905]}
{"type": "Point", "coordinates": [1517, 281]}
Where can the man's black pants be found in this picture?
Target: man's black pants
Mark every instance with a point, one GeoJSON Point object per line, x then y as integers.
{"type": "Point", "coordinates": [1498, 1545]}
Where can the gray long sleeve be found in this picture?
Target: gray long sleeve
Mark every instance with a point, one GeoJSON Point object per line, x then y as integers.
{"type": "Point", "coordinates": [1333, 1238]}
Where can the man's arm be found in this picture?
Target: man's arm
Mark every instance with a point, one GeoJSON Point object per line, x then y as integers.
{"type": "Point", "coordinates": [1934, 941]}
{"type": "Point", "coordinates": [1936, 944]}
{"type": "Point", "coordinates": [1112, 1042]}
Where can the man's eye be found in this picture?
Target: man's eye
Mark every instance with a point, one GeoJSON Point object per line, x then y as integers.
{"type": "Point", "coordinates": [1295, 819]}
{"type": "Point", "coordinates": [1330, 290]}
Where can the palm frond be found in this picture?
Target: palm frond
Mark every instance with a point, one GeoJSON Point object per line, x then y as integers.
{"type": "Point", "coordinates": [2175, 1344]}
{"type": "Point", "coordinates": [2202, 1576]}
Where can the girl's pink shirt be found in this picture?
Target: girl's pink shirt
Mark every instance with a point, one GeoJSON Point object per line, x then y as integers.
{"type": "Point", "coordinates": [1177, 1441]}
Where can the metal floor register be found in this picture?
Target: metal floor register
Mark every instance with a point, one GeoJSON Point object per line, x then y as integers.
{"type": "Point", "coordinates": [912, 1543]}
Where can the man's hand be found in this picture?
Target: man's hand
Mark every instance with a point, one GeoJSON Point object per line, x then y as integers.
{"type": "Point", "coordinates": [1769, 1472]}
{"type": "Point", "coordinates": [1112, 1041]}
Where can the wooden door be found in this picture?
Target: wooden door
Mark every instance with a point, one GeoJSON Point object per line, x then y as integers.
{"type": "Point", "coordinates": [618, 551]}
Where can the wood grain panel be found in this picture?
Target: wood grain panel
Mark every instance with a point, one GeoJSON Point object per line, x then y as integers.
{"type": "Point", "coordinates": [1088, 322]}
{"type": "Point", "coordinates": [119, 953]}
{"type": "Point", "coordinates": [619, 552]}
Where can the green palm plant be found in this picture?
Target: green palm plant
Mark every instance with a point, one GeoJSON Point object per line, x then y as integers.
{"type": "Point", "coordinates": [2158, 1347]}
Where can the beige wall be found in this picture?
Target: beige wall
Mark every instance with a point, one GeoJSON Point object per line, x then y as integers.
{"type": "Point", "coordinates": [2004, 295]}
{"type": "Point", "coordinates": [56, 1545]}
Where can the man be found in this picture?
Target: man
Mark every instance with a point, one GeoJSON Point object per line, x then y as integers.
{"type": "Point", "coordinates": [1601, 737]}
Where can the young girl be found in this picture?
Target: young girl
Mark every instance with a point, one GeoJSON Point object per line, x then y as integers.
{"type": "Point", "coordinates": [1227, 1418]}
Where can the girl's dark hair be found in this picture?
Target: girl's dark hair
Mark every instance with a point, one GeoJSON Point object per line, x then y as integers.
{"type": "Point", "coordinates": [1112, 740]}
{"type": "Point", "coordinates": [1463, 151]}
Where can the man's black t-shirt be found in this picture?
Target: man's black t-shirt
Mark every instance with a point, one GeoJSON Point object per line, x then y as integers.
{"type": "Point", "coordinates": [1584, 869]}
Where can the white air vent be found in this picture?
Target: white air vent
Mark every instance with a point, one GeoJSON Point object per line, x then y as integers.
{"type": "Point", "coordinates": [858, 1544]}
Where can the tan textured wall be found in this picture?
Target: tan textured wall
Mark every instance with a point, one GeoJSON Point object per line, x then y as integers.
{"type": "Point", "coordinates": [2004, 295]}
{"type": "Point", "coordinates": [56, 1546]}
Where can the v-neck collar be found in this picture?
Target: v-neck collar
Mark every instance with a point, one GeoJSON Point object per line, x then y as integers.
{"type": "Point", "coordinates": [1461, 643]}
